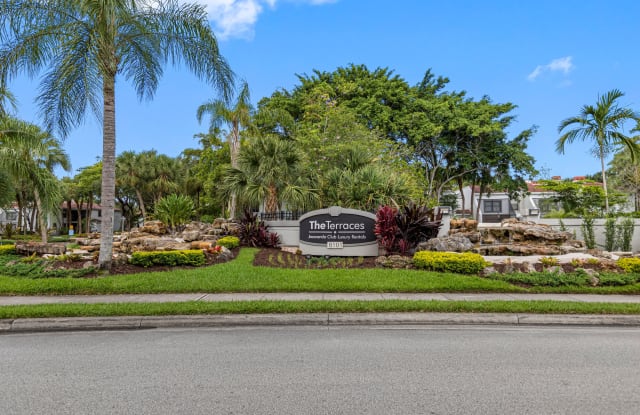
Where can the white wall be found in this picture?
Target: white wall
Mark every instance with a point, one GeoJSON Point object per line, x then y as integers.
{"type": "Point", "coordinates": [289, 231]}
{"type": "Point", "coordinates": [575, 226]}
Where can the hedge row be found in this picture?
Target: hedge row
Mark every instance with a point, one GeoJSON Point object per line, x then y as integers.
{"type": "Point", "coordinates": [7, 249]}
{"type": "Point", "coordinates": [229, 242]}
{"type": "Point", "coordinates": [194, 257]}
{"type": "Point", "coordinates": [464, 263]}
{"type": "Point", "coordinates": [629, 264]}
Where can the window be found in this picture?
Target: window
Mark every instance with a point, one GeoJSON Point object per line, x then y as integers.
{"type": "Point", "coordinates": [12, 216]}
{"type": "Point", "coordinates": [547, 205]}
{"type": "Point", "coordinates": [492, 206]}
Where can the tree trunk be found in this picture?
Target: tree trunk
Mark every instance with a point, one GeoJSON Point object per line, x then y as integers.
{"type": "Point", "coordinates": [472, 199]}
{"type": "Point", "coordinates": [462, 198]}
{"type": "Point", "coordinates": [108, 193]}
{"type": "Point", "coordinates": [68, 214]}
{"type": "Point", "coordinates": [41, 216]}
{"type": "Point", "coordinates": [20, 218]}
{"type": "Point", "coordinates": [88, 216]}
{"type": "Point", "coordinates": [234, 152]}
{"type": "Point", "coordinates": [479, 204]}
{"type": "Point", "coordinates": [79, 219]}
{"type": "Point", "coordinates": [141, 203]}
{"type": "Point", "coordinates": [272, 200]}
{"type": "Point", "coordinates": [604, 182]}
{"type": "Point", "coordinates": [32, 219]}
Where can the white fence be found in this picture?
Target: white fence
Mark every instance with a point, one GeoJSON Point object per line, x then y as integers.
{"type": "Point", "coordinates": [289, 230]}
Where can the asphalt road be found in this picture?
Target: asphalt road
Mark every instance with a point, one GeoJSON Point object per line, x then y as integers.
{"type": "Point", "coordinates": [314, 370]}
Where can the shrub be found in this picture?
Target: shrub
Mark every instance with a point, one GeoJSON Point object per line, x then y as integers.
{"type": "Point", "coordinates": [229, 242]}
{"type": "Point", "coordinates": [629, 264]}
{"type": "Point", "coordinates": [587, 231]}
{"type": "Point", "coordinates": [465, 263]}
{"type": "Point", "coordinates": [169, 258]}
{"type": "Point", "coordinates": [400, 231]}
{"type": "Point", "coordinates": [610, 234]}
{"type": "Point", "coordinates": [625, 236]}
{"type": "Point", "coordinates": [8, 230]}
{"type": "Point", "coordinates": [174, 211]}
{"type": "Point", "coordinates": [577, 263]}
{"type": "Point", "coordinates": [7, 249]}
{"type": "Point", "coordinates": [14, 266]}
{"type": "Point", "coordinates": [415, 225]}
{"type": "Point", "coordinates": [546, 279]}
{"type": "Point", "coordinates": [549, 261]}
{"type": "Point", "coordinates": [563, 227]}
{"type": "Point", "coordinates": [255, 233]}
{"type": "Point", "coordinates": [386, 228]}
{"type": "Point", "coordinates": [617, 279]}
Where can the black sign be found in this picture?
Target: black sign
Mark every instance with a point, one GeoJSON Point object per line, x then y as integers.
{"type": "Point", "coordinates": [347, 228]}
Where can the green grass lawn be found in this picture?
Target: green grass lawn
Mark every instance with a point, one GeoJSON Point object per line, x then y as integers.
{"type": "Point", "coordinates": [240, 275]}
{"type": "Point", "coordinates": [262, 307]}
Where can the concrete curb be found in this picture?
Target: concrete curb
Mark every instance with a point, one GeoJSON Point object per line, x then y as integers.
{"type": "Point", "coordinates": [320, 319]}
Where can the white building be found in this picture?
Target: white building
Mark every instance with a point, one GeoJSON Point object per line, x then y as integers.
{"type": "Point", "coordinates": [496, 206]}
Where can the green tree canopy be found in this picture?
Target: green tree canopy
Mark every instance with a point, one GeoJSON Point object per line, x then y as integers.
{"type": "Point", "coordinates": [84, 45]}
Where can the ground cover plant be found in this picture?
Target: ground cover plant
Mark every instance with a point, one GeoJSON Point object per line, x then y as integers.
{"type": "Point", "coordinates": [242, 274]}
{"type": "Point", "coordinates": [35, 267]}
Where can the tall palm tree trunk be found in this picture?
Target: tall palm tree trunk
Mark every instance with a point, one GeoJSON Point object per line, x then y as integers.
{"type": "Point", "coordinates": [272, 199]}
{"type": "Point", "coordinates": [107, 195]}
{"type": "Point", "coordinates": [604, 182]}
{"type": "Point", "coordinates": [234, 152]}
{"type": "Point", "coordinates": [41, 216]}
{"type": "Point", "coordinates": [20, 218]}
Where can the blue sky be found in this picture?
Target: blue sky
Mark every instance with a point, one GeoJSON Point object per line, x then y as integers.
{"type": "Point", "coordinates": [548, 57]}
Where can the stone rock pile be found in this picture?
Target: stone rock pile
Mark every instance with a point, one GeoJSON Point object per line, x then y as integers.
{"type": "Point", "coordinates": [152, 236]}
{"type": "Point", "coordinates": [511, 237]}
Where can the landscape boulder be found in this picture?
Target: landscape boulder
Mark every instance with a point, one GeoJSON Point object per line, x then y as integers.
{"type": "Point", "coordinates": [452, 243]}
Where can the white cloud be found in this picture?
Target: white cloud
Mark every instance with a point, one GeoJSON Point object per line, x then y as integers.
{"type": "Point", "coordinates": [237, 18]}
{"type": "Point", "coordinates": [564, 65]}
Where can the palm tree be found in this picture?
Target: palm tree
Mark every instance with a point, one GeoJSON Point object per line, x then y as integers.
{"type": "Point", "coordinates": [270, 172]}
{"type": "Point", "coordinates": [602, 124]}
{"type": "Point", "coordinates": [86, 44]}
{"type": "Point", "coordinates": [164, 172]}
{"type": "Point", "coordinates": [30, 154]}
{"type": "Point", "coordinates": [360, 181]}
{"type": "Point", "coordinates": [7, 99]}
{"type": "Point", "coordinates": [237, 117]}
{"type": "Point", "coordinates": [130, 174]}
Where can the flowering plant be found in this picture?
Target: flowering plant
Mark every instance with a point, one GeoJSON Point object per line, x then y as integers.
{"type": "Point", "coordinates": [215, 249]}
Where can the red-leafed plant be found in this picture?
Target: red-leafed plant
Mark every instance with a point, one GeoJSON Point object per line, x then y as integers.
{"type": "Point", "coordinates": [400, 231]}
{"type": "Point", "coordinates": [255, 233]}
{"type": "Point", "coordinates": [386, 228]}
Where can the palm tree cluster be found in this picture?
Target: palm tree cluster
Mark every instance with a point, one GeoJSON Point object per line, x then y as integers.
{"type": "Point", "coordinates": [28, 157]}
{"type": "Point", "coordinates": [602, 123]}
{"type": "Point", "coordinates": [352, 137]}
{"type": "Point", "coordinates": [84, 45]}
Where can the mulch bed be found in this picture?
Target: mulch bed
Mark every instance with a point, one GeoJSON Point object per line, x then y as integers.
{"type": "Point", "coordinates": [273, 257]}
{"type": "Point", "coordinates": [126, 268]}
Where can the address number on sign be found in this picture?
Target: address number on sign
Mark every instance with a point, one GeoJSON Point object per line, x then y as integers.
{"type": "Point", "coordinates": [334, 245]}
